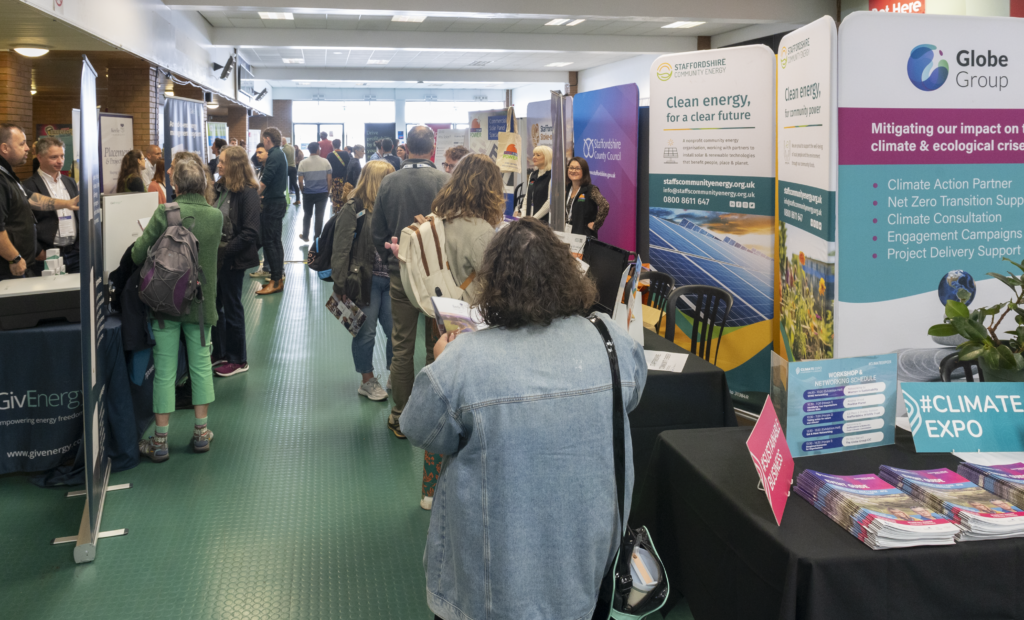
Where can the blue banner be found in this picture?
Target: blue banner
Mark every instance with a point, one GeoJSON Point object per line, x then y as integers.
{"type": "Point", "coordinates": [184, 129]}
{"type": "Point", "coordinates": [966, 417]}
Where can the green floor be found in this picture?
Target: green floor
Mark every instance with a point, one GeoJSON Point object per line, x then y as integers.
{"type": "Point", "coordinates": [305, 507]}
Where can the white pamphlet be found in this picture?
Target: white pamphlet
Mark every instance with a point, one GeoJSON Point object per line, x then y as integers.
{"type": "Point", "coordinates": [664, 361]}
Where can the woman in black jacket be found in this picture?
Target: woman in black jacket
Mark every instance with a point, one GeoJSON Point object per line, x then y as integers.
{"type": "Point", "coordinates": [585, 207]}
{"type": "Point", "coordinates": [239, 200]}
{"type": "Point", "coordinates": [537, 194]}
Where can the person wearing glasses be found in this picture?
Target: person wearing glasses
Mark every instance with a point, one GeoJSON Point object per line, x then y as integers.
{"type": "Point", "coordinates": [453, 156]}
{"type": "Point", "coordinates": [585, 207]}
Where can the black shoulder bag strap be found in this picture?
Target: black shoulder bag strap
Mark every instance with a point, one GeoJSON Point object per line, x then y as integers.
{"type": "Point", "coordinates": [607, 594]}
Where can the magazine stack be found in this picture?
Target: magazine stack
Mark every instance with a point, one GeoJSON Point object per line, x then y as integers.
{"type": "Point", "coordinates": [980, 514]}
{"type": "Point", "coordinates": [1006, 481]}
{"type": "Point", "coordinates": [880, 516]}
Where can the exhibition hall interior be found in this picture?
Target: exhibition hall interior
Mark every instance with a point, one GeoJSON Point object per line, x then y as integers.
{"type": "Point", "coordinates": [511, 311]}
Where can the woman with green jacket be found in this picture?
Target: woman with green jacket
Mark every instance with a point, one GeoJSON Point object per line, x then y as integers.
{"type": "Point", "coordinates": [189, 180]}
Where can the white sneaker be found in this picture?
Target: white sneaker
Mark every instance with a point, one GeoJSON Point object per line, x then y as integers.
{"type": "Point", "coordinates": [260, 273]}
{"type": "Point", "coordinates": [372, 390]}
{"type": "Point", "coordinates": [426, 503]}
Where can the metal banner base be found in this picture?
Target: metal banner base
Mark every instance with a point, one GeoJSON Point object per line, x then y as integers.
{"type": "Point", "coordinates": [85, 547]}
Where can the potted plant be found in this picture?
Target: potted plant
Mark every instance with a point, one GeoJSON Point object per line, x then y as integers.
{"type": "Point", "coordinates": [999, 357]}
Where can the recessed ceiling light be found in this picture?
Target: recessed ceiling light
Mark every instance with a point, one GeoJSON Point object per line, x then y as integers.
{"type": "Point", "coordinates": [559, 64]}
{"type": "Point", "coordinates": [576, 22]}
{"type": "Point", "coordinates": [33, 91]}
{"type": "Point", "coordinates": [408, 18]}
{"type": "Point", "coordinates": [287, 16]}
{"type": "Point", "coordinates": [32, 52]}
{"type": "Point", "coordinates": [683, 24]}
{"type": "Point", "coordinates": [556, 22]}
{"type": "Point", "coordinates": [377, 61]}
{"type": "Point", "coordinates": [294, 61]}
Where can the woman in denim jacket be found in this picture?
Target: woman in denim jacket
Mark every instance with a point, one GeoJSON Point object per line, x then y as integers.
{"type": "Point", "coordinates": [524, 522]}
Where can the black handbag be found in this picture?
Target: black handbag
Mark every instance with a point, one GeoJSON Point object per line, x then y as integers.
{"type": "Point", "coordinates": [617, 584]}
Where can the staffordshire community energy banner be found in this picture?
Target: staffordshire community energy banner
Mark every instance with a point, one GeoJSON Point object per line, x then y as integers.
{"type": "Point", "coordinates": [712, 195]}
{"type": "Point", "coordinates": [931, 172]}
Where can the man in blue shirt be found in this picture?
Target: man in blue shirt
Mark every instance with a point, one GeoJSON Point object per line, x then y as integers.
{"type": "Point", "coordinates": [274, 190]}
{"type": "Point", "coordinates": [315, 183]}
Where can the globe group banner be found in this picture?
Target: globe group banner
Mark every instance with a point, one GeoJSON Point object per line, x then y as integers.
{"type": "Point", "coordinates": [712, 195]}
{"type": "Point", "coordinates": [931, 172]}
{"type": "Point", "coordinates": [605, 134]}
{"type": "Point", "coordinates": [807, 157]}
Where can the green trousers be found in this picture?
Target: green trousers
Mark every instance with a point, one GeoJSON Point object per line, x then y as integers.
{"type": "Point", "coordinates": [165, 363]}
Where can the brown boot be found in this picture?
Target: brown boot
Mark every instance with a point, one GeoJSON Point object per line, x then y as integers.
{"type": "Point", "coordinates": [275, 286]}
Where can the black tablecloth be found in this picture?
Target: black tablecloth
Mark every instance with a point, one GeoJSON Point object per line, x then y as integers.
{"type": "Point", "coordinates": [41, 421]}
{"type": "Point", "coordinates": [698, 397]}
{"type": "Point", "coordinates": [725, 554]}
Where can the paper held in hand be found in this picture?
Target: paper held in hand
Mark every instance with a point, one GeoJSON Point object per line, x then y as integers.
{"type": "Point", "coordinates": [456, 316]}
{"type": "Point", "coordinates": [774, 463]}
{"type": "Point", "coordinates": [347, 312]}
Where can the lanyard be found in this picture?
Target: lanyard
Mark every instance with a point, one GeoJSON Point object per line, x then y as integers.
{"type": "Point", "coordinates": [569, 204]}
{"type": "Point", "coordinates": [419, 165]}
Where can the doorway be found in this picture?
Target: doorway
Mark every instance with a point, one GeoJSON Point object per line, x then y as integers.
{"type": "Point", "coordinates": [310, 132]}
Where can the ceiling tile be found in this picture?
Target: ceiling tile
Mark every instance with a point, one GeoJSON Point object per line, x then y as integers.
{"type": "Point", "coordinates": [247, 23]}
{"type": "Point", "coordinates": [460, 26]}
{"type": "Point", "coordinates": [281, 24]}
{"type": "Point", "coordinates": [310, 21]}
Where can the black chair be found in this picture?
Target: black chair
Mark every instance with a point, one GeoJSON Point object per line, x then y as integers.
{"type": "Point", "coordinates": [952, 362]}
{"type": "Point", "coordinates": [710, 309]}
{"type": "Point", "coordinates": [661, 285]}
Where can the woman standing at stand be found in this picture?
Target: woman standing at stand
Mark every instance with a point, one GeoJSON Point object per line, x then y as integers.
{"type": "Point", "coordinates": [585, 207]}
{"type": "Point", "coordinates": [129, 179]}
{"type": "Point", "coordinates": [538, 191]}
{"type": "Point", "coordinates": [157, 184]}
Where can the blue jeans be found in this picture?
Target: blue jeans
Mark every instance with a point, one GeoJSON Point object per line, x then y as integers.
{"type": "Point", "coordinates": [378, 310]}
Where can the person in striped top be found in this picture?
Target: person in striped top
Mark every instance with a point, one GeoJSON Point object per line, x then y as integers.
{"type": "Point", "coordinates": [315, 182]}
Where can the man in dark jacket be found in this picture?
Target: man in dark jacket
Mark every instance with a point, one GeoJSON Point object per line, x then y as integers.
{"type": "Point", "coordinates": [354, 167]}
{"type": "Point", "coordinates": [274, 189]}
{"type": "Point", "coordinates": [54, 229]}
{"type": "Point", "coordinates": [388, 146]}
{"type": "Point", "coordinates": [403, 195]}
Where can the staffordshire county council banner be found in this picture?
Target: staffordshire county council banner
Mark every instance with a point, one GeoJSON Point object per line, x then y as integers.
{"type": "Point", "coordinates": [712, 195]}
{"type": "Point", "coordinates": [806, 128]}
{"type": "Point", "coordinates": [605, 124]}
{"type": "Point", "coordinates": [931, 172]}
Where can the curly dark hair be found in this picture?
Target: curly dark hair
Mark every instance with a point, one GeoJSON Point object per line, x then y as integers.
{"type": "Point", "coordinates": [530, 278]}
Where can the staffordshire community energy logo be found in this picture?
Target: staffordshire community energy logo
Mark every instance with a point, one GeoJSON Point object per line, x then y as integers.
{"type": "Point", "coordinates": [664, 72]}
{"type": "Point", "coordinates": [924, 68]}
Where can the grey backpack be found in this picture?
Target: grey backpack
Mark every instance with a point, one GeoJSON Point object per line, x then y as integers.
{"type": "Point", "coordinates": [170, 276]}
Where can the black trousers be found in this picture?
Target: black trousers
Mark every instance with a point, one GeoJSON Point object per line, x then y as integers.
{"type": "Point", "coordinates": [273, 248]}
{"type": "Point", "coordinates": [317, 203]}
{"type": "Point", "coordinates": [229, 332]}
{"type": "Point", "coordinates": [293, 183]}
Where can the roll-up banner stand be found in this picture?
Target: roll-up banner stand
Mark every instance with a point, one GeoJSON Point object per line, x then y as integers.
{"type": "Point", "coordinates": [184, 129]}
{"type": "Point", "coordinates": [484, 127]}
{"type": "Point", "coordinates": [215, 130]}
{"type": "Point", "coordinates": [116, 137]}
{"type": "Point", "coordinates": [931, 172]}
{"type": "Point", "coordinates": [446, 139]}
{"type": "Point", "coordinates": [561, 149]}
{"type": "Point", "coordinates": [377, 131]}
{"type": "Point", "coordinates": [712, 195]}
{"type": "Point", "coordinates": [605, 132]}
{"type": "Point", "coordinates": [807, 164]}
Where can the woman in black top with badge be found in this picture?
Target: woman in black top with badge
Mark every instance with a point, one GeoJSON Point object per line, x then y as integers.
{"type": "Point", "coordinates": [585, 207]}
{"type": "Point", "coordinates": [537, 204]}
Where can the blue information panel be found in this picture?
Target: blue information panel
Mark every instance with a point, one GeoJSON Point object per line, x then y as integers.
{"type": "Point", "coordinates": [966, 417]}
{"type": "Point", "coordinates": [841, 404]}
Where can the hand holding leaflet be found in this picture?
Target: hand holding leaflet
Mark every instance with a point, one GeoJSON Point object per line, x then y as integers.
{"type": "Point", "coordinates": [456, 316]}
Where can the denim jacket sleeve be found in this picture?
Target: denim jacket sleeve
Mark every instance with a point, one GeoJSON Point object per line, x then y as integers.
{"type": "Point", "coordinates": [428, 420]}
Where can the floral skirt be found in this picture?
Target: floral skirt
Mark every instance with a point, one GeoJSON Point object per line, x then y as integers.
{"type": "Point", "coordinates": [431, 472]}
{"type": "Point", "coordinates": [337, 192]}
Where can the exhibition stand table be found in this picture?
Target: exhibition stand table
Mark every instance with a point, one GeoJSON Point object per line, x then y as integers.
{"type": "Point", "coordinates": [723, 551]}
{"type": "Point", "coordinates": [41, 401]}
{"type": "Point", "coordinates": [697, 397]}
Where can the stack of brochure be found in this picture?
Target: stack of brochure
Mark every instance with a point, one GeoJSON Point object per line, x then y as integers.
{"type": "Point", "coordinates": [879, 515]}
{"type": "Point", "coordinates": [1006, 481]}
{"type": "Point", "coordinates": [981, 515]}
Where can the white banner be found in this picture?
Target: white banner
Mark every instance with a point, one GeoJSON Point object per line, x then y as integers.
{"type": "Point", "coordinates": [116, 138]}
{"type": "Point", "coordinates": [446, 139]}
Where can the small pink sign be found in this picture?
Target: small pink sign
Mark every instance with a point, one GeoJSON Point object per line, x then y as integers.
{"type": "Point", "coordinates": [774, 463]}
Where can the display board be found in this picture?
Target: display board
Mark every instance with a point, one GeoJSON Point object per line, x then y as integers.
{"type": "Point", "coordinates": [807, 162]}
{"type": "Point", "coordinates": [116, 138]}
{"type": "Point", "coordinates": [253, 141]}
{"type": "Point", "coordinates": [378, 131]}
{"type": "Point", "coordinates": [931, 172]}
{"type": "Point", "coordinates": [605, 125]}
{"type": "Point", "coordinates": [966, 417]}
{"type": "Point", "coordinates": [121, 214]}
{"type": "Point", "coordinates": [214, 131]}
{"type": "Point", "coordinates": [712, 195]}
{"type": "Point", "coordinates": [65, 133]}
{"type": "Point", "coordinates": [484, 127]}
{"type": "Point", "coordinates": [446, 139]}
{"type": "Point", "coordinates": [183, 128]}
{"type": "Point", "coordinates": [540, 129]}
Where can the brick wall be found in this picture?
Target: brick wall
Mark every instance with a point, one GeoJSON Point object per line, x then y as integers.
{"type": "Point", "coordinates": [238, 123]}
{"type": "Point", "coordinates": [133, 90]}
{"type": "Point", "coordinates": [16, 95]}
{"type": "Point", "coordinates": [282, 118]}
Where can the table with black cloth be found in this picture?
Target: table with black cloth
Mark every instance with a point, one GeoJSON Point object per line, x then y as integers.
{"type": "Point", "coordinates": [723, 551]}
{"type": "Point", "coordinates": [697, 397]}
{"type": "Point", "coordinates": [41, 408]}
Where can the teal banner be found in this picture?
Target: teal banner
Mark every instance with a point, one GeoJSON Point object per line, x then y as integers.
{"type": "Point", "coordinates": [723, 194]}
{"type": "Point", "coordinates": [808, 208]}
{"type": "Point", "coordinates": [966, 417]}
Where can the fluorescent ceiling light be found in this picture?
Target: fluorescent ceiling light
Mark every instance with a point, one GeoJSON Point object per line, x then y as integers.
{"type": "Point", "coordinates": [556, 22]}
{"type": "Point", "coordinates": [683, 24]}
{"type": "Point", "coordinates": [408, 18]}
{"type": "Point", "coordinates": [32, 52]}
{"type": "Point", "coordinates": [559, 64]}
{"type": "Point", "coordinates": [287, 16]}
{"type": "Point", "coordinates": [576, 22]}
{"type": "Point", "coordinates": [377, 61]}
{"type": "Point", "coordinates": [294, 61]}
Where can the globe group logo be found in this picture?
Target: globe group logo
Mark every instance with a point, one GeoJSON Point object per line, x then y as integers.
{"type": "Point", "coordinates": [664, 72]}
{"type": "Point", "coordinates": [925, 69]}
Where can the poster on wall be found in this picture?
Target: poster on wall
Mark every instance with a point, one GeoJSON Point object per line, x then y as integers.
{"type": "Point", "coordinates": [931, 162]}
{"type": "Point", "coordinates": [214, 131]}
{"type": "Point", "coordinates": [484, 127]}
{"type": "Point", "coordinates": [539, 128]}
{"type": "Point", "coordinates": [184, 128]}
{"type": "Point", "coordinates": [606, 125]}
{"type": "Point", "coordinates": [253, 141]}
{"type": "Point", "coordinates": [116, 137]}
{"type": "Point", "coordinates": [712, 195]}
{"type": "Point", "coordinates": [446, 139]}
{"type": "Point", "coordinates": [807, 164]}
{"type": "Point", "coordinates": [64, 133]}
{"type": "Point", "coordinates": [377, 131]}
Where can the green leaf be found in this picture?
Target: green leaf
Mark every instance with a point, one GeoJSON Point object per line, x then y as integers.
{"type": "Point", "coordinates": [971, 330]}
{"type": "Point", "coordinates": [1017, 265]}
{"type": "Point", "coordinates": [1010, 281]}
{"type": "Point", "coordinates": [942, 330]}
{"type": "Point", "coordinates": [1018, 360]}
{"type": "Point", "coordinates": [991, 310]}
{"type": "Point", "coordinates": [970, 351]}
{"type": "Point", "coordinates": [991, 357]}
{"type": "Point", "coordinates": [1006, 359]}
{"type": "Point", "coordinates": [956, 309]}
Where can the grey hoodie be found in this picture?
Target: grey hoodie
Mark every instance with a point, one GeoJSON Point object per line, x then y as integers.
{"type": "Point", "coordinates": [402, 196]}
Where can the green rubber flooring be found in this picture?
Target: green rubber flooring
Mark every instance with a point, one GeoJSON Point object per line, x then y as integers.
{"type": "Point", "coordinates": [305, 506]}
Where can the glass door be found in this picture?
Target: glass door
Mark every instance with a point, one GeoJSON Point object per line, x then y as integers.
{"type": "Point", "coordinates": [335, 131]}
{"type": "Point", "coordinates": [310, 132]}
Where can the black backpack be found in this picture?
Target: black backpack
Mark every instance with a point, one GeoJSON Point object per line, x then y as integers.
{"type": "Point", "coordinates": [319, 257]}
